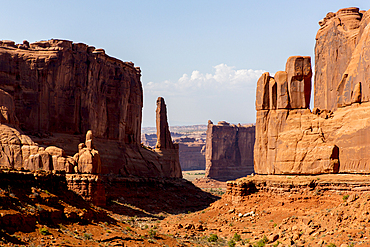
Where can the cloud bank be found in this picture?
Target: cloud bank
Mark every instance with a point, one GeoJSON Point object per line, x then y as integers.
{"type": "Point", "coordinates": [227, 94]}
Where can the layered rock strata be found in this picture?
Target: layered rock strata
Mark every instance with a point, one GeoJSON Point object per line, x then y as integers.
{"type": "Point", "coordinates": [238, 190]}
{"type": "Point", "coordinates": [294, 140]}
{"type": "Point", "coordinates": [229, 150]}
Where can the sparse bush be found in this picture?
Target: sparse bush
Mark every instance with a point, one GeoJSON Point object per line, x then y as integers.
{"type": "Point", "coordinates": [237, 237]}
{"type": "Point", "coordinates": [88, 236]}
{"type": "Point", "coordinates": [44, 231]}
{"type": "Point", "coordinates": [331, 245]}
{"type": "Point", "coordinates": [262, 242]}
{"type": "Point", "coordinates": [152, 233]}
{"type": "Point", "coordinates": [128, 228]}
{"type": "Point", "coordinates": [231, 243]}
{"type": "Point", "coordinates": [345, 197]}
{"type": "Point", "coordinates": [274, 225]}
{"type": "Point", "coordinates": [212, 238]}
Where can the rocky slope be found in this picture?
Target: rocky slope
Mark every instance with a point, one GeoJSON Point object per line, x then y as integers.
{"type": "Point", "coordinates": [326, 210]}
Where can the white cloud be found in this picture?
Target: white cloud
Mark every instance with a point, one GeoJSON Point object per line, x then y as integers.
{"type": "Point", "coordinates": [227, 94]}
{"type": "Point", "coordinates": [225, 78]}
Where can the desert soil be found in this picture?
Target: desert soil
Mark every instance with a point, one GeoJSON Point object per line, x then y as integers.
{"type": "Point", "coordinates": [306, 218]}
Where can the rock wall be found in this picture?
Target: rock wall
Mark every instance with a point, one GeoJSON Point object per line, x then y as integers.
{"type": "Point", "coordinates": [341, 59]}
{"type": "Point", "coordinates": [229, 151]}
{"type": "Point", "coordinates": [60, 90]}
{"type": "Point", "coordinates": [61, 86]}
{"type": "Point", "coordinates": [290, 139]}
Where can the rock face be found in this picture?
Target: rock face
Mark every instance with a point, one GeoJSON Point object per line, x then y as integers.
{"type": "Point", "coordinates": [229, 151]}
{"type": "Point", "coordinates": [192, 153]}
{"type": "Point", "coordinates": [60, 90]}
{"type": "Point", "coordinates": [342, 53]}
{"type": "Point", "coordinates": [294, 140]}
{"type": "Point", "coordinates": [61, 86]}
{"type": "Point", "coordinates": [168, 151]}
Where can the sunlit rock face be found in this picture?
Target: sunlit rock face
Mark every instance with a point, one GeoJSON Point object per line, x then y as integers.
{"type": "Point", "coordinates": [332, 138]}
{"type": "Point", "coordinates": [57, 91]}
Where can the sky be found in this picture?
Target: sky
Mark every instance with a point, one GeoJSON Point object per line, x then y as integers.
{"type": "Point", "coordinates": [204, 57]}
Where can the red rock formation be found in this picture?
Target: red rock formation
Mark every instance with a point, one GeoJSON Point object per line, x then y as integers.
{"type": "Point", "coordinates": [286, 139]}
{"type": "Point", "coordinates": [168, 151]}
{"type": "Point", "coordinates": [63, 89]}
{"type": "Point", "coordinates": [164, 140]}
{"type": "Point", "coordinates": [191, 153]}
{"type": "Point", "coordinates": [60, 86]}
{"type": "Point", "coordinates": [341, 53]}
{"type": "Point", "coordinates": [89, 187]}
{"type": "Point", "coordinates": [298, 141]}
{"type": "Point", "coordinates": [229, 151]}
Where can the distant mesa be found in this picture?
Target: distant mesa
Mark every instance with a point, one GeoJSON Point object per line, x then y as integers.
{"type": "Point", "coordinates": [229, 150]}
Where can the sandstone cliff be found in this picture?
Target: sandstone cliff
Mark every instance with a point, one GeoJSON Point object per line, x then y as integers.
{"type": "Point", "coordinates": [342, 52]}
{"type": "Point", "coordinates": [290, 139]}
{"type": "Point", "coordinates": [229, 151]}
{"type": "Point", "coordinates": [59, 90]}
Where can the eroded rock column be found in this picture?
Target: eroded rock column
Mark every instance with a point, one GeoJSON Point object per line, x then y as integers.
{"type": "Point", "coordinates": [168, 151]}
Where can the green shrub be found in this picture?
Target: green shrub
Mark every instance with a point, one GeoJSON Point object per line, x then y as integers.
{"type": "Point", "coordinates": [44, 231]}
{"type": "Point", "coordinates": [213, 238]}
{"type": "Point", "coordinates": [237, 237]}
{"type": "Point", "coordinates": [262, 242]}
{"type": "Point", "coordinates": [88, 236]}
{"type": "Point", "coordinates": [231, 243]}
{"type": "Point", "coordinates": [345, 197]}
{"type": "Point", "coordinates": [331, 245]}
{"type": "Point", "coordinates": [152, 233]}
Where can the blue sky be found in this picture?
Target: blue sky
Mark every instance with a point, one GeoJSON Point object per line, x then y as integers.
{"type": "Point", "coordinates": [204, 57]}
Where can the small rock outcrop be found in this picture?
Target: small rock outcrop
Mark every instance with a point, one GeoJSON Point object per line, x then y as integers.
{"type": "Point", "coordinates": [229, 150]}
{"type": "Point", "coordinates": [88, 158]}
